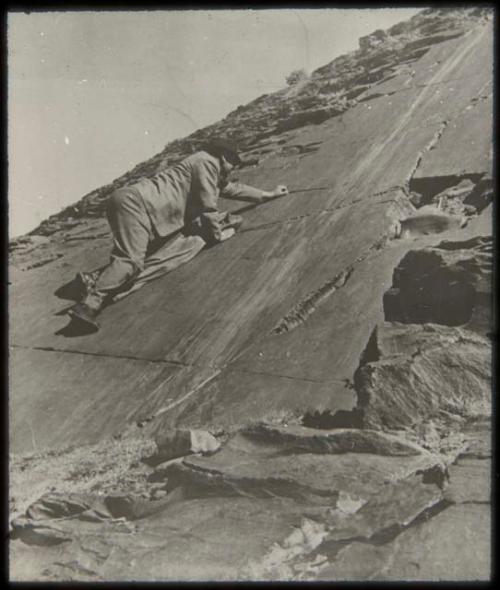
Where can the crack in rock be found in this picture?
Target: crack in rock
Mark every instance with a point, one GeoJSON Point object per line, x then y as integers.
{"type": "Point", "coordinates": [430, 146]}
{"type": "Point", "coordinates": [102, 355]}
{"type": "Point", "coordinates": [299, 314]}
{"type": "Point", "coordinates": [307, 306]}
{"type": "Point", "coordinates": [381, 537]}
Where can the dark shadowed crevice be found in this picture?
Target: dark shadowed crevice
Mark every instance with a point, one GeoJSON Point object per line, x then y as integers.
{"type": "Point", "coordinates": [414, 56]}
{"type": "Point", "coordinates": [449, 284]}
{"type": "Point", "coordinates": [372, 96]}
{"type": "Point", "coordinates": [327, 421]}
{"type": "Point", "coordinates": [371, 353]}
{"type": "Point", "coordinates": [389, 534]}
{"type": "Point", "coordinates": [424, 190]}
{"type": "Point", "coordinates": [451, 304]}
{"type": "Point", "coordinates": [436, 475]}
{"type": "Point", "coordinates": [482, 195]}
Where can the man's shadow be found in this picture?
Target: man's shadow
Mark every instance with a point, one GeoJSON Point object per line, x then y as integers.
{"type": "Point", "coordinates": [71, 291]}
{"type": "Point", "coordinates": [74, 291]}
{"type": "Point", "coordinates": [75, 329]}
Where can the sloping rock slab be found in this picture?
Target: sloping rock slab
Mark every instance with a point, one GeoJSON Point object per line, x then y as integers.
{"type": "Point", "coordinates": [453, 545]}
{"type": "Point", "coordinates": [318, 479]}
{"type": "Point", "coordinates": [439, 369]}
{"type": "Point", "coordinates": [300, 439]}
{"type": "Point", "coordinates": [466, 145]}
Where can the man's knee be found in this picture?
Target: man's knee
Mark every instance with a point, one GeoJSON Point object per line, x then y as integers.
{"type": "Point", "coordinates": [133, 264]}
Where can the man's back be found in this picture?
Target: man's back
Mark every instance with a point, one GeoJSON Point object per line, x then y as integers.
{"type": "Point", "coordinates": [180, 193]}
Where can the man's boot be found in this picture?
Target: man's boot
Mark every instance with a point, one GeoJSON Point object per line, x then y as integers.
{"type": "Point", "coordinates": [86, 311]}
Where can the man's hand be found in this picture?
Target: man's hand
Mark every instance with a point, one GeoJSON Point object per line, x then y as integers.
{"type": "Point", "coordinates": [203, 442]}
{"type": "Point", "coordinates": [281, 189]}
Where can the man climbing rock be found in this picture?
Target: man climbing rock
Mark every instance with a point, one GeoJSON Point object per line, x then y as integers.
{"type": "Point", "coordinates": [177, 207]}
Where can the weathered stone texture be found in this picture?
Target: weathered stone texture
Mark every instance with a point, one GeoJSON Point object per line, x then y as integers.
{"type": "Point", "coordinates": [429, 369]}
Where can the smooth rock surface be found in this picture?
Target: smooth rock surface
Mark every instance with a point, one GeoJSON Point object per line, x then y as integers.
{"type": "Point", "coordinates": [309, 240]}
{"type": "Point", "coordinates": [470, 481]}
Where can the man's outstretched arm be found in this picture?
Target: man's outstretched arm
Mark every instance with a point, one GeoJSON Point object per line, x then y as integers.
{"type": "Point", "coordinates": [244, 192]}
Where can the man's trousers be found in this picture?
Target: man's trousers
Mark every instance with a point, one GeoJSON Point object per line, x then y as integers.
{"type": "Point", "coordinates": [139, 254]}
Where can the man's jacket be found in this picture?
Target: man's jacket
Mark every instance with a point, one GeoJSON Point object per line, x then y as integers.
{"type": "Point", "coordinates": [188, 193]}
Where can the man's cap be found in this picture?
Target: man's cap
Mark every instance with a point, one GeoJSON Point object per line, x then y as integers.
{"type": "Point", "coordinates": [224, 147]}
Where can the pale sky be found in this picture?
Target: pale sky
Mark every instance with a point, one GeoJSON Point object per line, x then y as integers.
{"type": "Point", "coordinates": [92, 94]}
